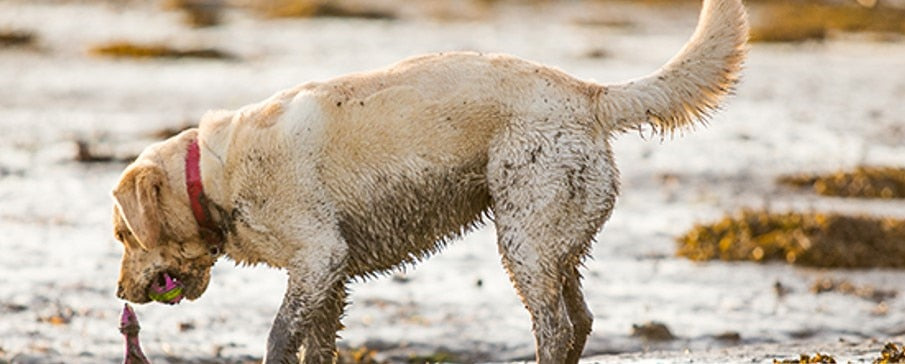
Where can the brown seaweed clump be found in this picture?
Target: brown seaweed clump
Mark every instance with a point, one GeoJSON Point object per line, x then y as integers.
{"type": "Point", "coordinates": [198, 13]}
{"type": "Point", "coordinates": [791, 21]}
{"type": "Point", "coordinates": [124, 49]}
{"type": "Point", "coordinates": [863, 182]}
{"type": "Point", "coordinates": [890, 354]}
{"type": "Point", "coordinates": [868, 292]}
{"type": "Point", "coordinates": [818, 358]}
{"type": "Point", "coordinates": [323, 8]}
{"type": "Point", "coordinates": [653, 331]}
{"type": "Point", "coordinates": [808, 239]}
{"type": "Point", "coordinates": [361, 355]}
{"type": "Point", "coordinates": [16, 38]}
{"type": "Point", "coordinates": [169, 132]}
{"type": "Point", "coordinates": [439, 357]}
{"type": "Point", "coordinates": [88, 152]}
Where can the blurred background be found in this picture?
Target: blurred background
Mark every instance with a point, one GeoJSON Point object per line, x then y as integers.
{"type": "Point", "coordinates": [774, 231]}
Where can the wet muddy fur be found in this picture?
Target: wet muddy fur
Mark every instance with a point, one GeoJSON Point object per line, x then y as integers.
{"type": "Point", "coordinates": [354, 177]}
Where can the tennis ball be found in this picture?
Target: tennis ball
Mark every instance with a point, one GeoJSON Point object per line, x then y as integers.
{"type": "Point", "coordinates": [166, 289]}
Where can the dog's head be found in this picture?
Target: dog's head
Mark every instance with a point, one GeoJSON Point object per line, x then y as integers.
{"type": "Point", "coordinates": [152, 217]}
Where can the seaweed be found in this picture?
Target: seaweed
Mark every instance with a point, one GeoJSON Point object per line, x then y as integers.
{"type": "Point", "coordinates": [323, 8]}
{"type": "Point", "coordinates": [868, 292]}
{"type": "Point", "coordinates": [890, 354]}
{"type": "Point", "coordinates": [801, 21]}
{"type": "Point", "coordinates": [124, 49]}
{"type": "Point", "coordinates": [439, 357]}
{"type": "Point", "coordinates": [360, 355]}
{"type": "Point", "coordinates": [653, 331]}
{"type": "Point", "coordinates": [169, 132]}
{"type": "Point", "coordinates": [198, 13]}
{"type": "Point", "coordinates": [862, 182]}
{"type": "Point", "coordinates": [807, 239]}
{"type": "Point", "coordinates": [87, 153]}
{"type": "Point", "coordinates": [16, 38]}
{"type": "Point", "coordinates": [817, 358]}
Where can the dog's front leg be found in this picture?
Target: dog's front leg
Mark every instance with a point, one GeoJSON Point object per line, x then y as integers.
{"type": "Point", "coordinates": [310, 314]}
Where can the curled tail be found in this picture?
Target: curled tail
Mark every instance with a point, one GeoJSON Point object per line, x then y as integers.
{"type": "Point", "coordinates": [691, 85]}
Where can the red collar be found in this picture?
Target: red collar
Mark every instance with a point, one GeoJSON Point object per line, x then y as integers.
{"type": "Point", "coordinates": [197, 198]}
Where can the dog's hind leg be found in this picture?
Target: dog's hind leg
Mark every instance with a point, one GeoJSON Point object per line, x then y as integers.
{"type": "Point", "coordinates": [549, 288]}
{"type": "Point", "coordinates": [579, 315]}
{"type": "Point", "coordinates": [538, 284]}
{"type": "Point", "coordinates": [552, 188]}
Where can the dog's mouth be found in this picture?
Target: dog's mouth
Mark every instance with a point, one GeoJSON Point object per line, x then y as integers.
{"type": "Point", "coordinates": [167, 289]}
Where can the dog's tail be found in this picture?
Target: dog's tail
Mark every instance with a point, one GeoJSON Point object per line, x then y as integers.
{"type": "Point", "coordinates": [691, 85]}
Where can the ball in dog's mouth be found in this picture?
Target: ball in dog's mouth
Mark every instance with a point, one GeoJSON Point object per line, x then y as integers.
{"type": "Point", "coordinates": [166, 289]}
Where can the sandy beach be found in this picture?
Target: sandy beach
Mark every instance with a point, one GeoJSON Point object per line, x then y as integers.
{"type": "Point", "coordinates": [801, 107]}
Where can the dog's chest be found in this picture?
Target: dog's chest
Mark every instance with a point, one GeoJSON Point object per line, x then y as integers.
{"type": "Point", "coordinates": [408, 217]}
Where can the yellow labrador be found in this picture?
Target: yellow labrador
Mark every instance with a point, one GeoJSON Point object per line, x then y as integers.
{"type": "Point", "coordinates": [362, 174]}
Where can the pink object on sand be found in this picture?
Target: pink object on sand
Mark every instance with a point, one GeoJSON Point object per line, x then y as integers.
{"type": "Point", "coordinates": [129, 327]}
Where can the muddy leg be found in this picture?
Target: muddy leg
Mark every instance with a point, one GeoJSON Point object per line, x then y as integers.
{"type": "Point", "coordinates": [539, 286]}
{"type": "Point", "coordinates": [310, 314]}
{"type": "Point", "coordinates": [579, 315]}
{"type": "Point", "coordinates": [553, 187]}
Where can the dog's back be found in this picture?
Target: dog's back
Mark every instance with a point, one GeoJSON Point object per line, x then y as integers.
{"type": "Point", "coordinates": [405, 149]}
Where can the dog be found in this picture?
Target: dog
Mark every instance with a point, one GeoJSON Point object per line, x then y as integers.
{"type": "Point", "coordinates": [365, 173]}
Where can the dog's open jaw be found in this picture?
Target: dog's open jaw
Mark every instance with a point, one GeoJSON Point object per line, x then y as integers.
{"type": "Point", "coordinates": [188, 281]}
{"type": "Point", "coordinates": [166, 289]}
{"type": "Point", "coordinates": [162, 275]}
{"type": "Point", "coordinates": [168, 285]}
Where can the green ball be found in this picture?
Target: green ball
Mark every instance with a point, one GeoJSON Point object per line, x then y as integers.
{"type": "Point", "coordinates": [172, 295]}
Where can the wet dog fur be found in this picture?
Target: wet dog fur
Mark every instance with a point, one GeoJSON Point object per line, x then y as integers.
{"type": "Point", "coordinates": [362, 174]}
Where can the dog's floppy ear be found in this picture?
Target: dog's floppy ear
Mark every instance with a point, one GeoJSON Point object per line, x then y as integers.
{"type": "Point", "coordinates": [138, 198]}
